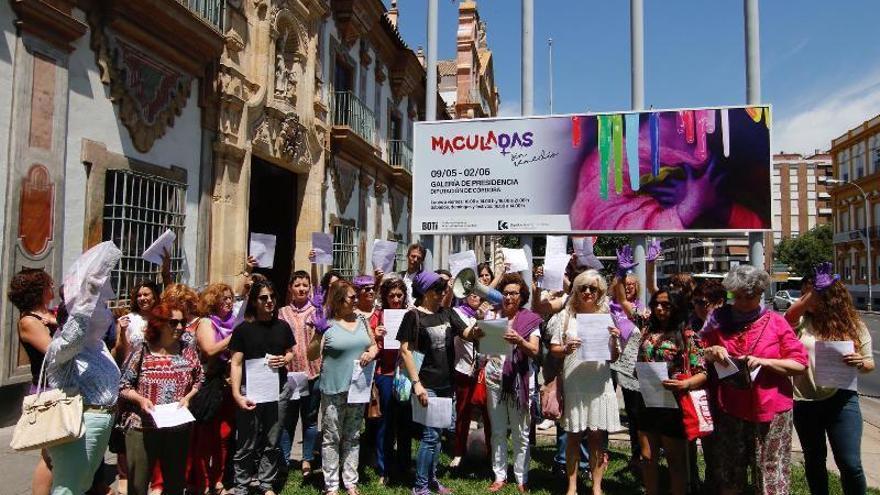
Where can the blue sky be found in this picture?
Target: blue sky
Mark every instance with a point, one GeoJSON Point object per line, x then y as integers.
{"type": "Point", "coordinates": [820, 63]}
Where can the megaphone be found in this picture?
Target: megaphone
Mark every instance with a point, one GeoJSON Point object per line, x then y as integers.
{"type": "Point", "coordinates": [466, 284]}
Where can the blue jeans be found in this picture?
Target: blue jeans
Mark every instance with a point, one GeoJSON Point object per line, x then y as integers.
{"type": "Point", "coordinates": [841, 419]}
{"type": "Point", "coordinates": [561, 439]}
{"type": "Point", "coordinates": [305, 409]}
{"type": "Point", "coordinates": [429, 448]}
{"type": "Point", "coordinates": [395, 425]}
{"type": "Point", "coordinates": [74, 463]}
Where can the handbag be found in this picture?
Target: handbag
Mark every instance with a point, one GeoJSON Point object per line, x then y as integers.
{"type": "Point", "coordinates": [49, 417]}
{"type": "Point", "coordinates": [742, 379]}
{"type": "Point", "coordinates": [116, 444]}
{"type": "Point", "coordinates": [480, 396]}
{"type": "Point", "coordinates": [206, 402]}
{"type": "Point", "coordinates": [374, 408]}
{"type": "Point", "coordinates": [402, 385]}
{"type": "Point", "coordinates": [552, 398]}
{"type": "Point", "coordinates": [696, 415]}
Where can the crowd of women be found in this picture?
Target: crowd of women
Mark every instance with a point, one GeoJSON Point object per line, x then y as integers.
{"type": "Point", "coordinates": [173, 345]}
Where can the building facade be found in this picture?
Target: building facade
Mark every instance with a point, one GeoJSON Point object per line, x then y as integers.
{"type": "Point", "coordinates": [856, 162]}
{"type": "Point", "coordinates": [106, 121]}
{"type": "Point", "coordinates": [800, 195]}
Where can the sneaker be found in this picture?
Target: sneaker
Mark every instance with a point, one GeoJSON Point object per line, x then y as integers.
{"type": "Point", "coordinates": [455, 462]}
{"type": "Point", "coordinates": [420, 491]}
{"type": "Point", "coordinates": [441, 490]}
{"type": "Point", "coordinates": [545, 425]}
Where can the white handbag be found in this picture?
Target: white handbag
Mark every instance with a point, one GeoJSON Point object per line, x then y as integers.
{"type": "Point", "coordinates": [48, 417]}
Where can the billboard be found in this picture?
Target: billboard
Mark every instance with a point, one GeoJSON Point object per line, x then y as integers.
{"type": "Point", "coordinates": [703, 170]}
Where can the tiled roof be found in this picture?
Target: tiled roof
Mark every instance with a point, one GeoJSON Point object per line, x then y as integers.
{"type": "Point", "coordinates": [447, 67]}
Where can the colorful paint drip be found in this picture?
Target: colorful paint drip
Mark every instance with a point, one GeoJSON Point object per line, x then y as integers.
{"type": "Point", "coordinates": [575, 132]}
{"type": "Point", "coordinates": [654, 128]}
{"type": "Point", "coordinates": [604, 139]}
{"type": "Point", "coordinates": [617, 143]}
{"type": "Point", "coordinates": [632, 149]}
{"type": "Point", "coordinates": [701, 152]}
{"type": "Point", "coordinates": [725, 131]}
{"type": "Point", "coordinates": [685, 121]}
{"type": "Point", "coordinates": [755, 113]}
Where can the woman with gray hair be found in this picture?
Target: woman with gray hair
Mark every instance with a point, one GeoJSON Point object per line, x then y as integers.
{"type": "Point", "coordinates": [756, 352]}
{"type": "Point", "coordinates": [590, 405]}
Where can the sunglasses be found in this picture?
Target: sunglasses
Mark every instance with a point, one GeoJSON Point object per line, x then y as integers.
{"type": "Point", "coordinates": [592, 289]}
{"type": "Point", "coordinates": [510, 293]}
{"type": "Point", "coordinates": [174, 322]}
{"type": "Point", "coordinates": [266, 297]}
{"type": "Point", "coordinates": [368, 288]}
{"type": "Point", "coordinates": [701, 302]}
{"type": "Point", "coordinates": [662, 304]}
{"type": "Point", "coordinates": [351, 297]}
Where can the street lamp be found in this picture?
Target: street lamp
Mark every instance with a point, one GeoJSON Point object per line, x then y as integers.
{"type": "Point", "coordinates": [867, 231]}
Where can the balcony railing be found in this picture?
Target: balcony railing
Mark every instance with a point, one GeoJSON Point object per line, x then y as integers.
{"type": "Point", "coordinates": [400, 155]}
{"type": "Point", "coordinates": [211, 11]}
{"type": "Point", "coordinates": [350, 111]}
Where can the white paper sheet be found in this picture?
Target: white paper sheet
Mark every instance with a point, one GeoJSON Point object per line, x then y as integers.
{"type": "Point", "coordinates": [516, 258]}
{"type": "Point", "coordinates": [492, 343]}
{"type": "Point", "coordinates": [383, 255]}
{"type": "Point", "coordinates": [392, 318]}
{"type": "Point", "coordinates": [298, 383]}
{"type": "Point", "coordinates": [554, 272]}
{"type": "Point", "coordinates": [462, 260]}
{"type": "Point", "coordinates": [725, 371]}
{"type": "Point", "coordinates": [361, 383]}
{"type": "Point", "coordinates": [650, 377]}
{"type": "Point", "coordinates": [154, 253]}
{"type": "Point", "coordinates": [171, 415]}
{"type": "Point", "coordinates": [438, 414]}
{"type": "Point", "coordinates": [556, 245]}
{"type": "Point", "coordinates": [583, 248]}
{"type": "Point", "coordinates": [261, 381]}
{"type": "Point", "coordinates": [262, 248]}
{"type": "Point", "coordinates": [323, 245]}
{"type": "Point", "coordinates": [592, 329]}
{"type": "Point", "coordinates": [831, 371]}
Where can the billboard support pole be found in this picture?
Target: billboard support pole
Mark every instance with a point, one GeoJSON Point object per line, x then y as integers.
{"type": "Point", "coordinates": [431, 100]}
{"type": "Point", "coordinates": [753, 97]}
{"type": "Point", "coordinates": [527, 103]}
{"type": "Point", "coordinates": [637, 95]}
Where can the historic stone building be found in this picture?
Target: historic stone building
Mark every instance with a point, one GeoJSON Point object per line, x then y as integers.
{"type": "Point", "coordinates": [268, 166]}
{"type": "Point", "coordinates": [106, 120]}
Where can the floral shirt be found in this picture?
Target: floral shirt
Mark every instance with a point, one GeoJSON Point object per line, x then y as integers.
{"type": "Point", "coordinates": [659, 347]}
{"type": "Point", "coordinates": [163, 379]}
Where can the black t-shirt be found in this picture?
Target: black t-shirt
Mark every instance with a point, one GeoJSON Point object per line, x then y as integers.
{"type": "Point", "coordinates": [255, 339]}
{"type": "Point", "coordinates": [435, 340]}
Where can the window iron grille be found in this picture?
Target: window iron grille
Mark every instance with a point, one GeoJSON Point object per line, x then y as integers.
{"type": "Point", "coordinates": [138, 208]}
{"type": "Point", "coordinates": [345, 255]}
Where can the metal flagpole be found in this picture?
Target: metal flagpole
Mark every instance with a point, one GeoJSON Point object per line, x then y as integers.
{"type": "Point", "coordinates": [753, 97]}
{"type": "Point", "coordinates": [433, 243]}
{"type": "Point", "coordinates": [637, 95]}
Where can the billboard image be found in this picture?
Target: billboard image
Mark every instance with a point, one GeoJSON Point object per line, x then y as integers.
{"type": "Point", "coordinates": [666, 171]}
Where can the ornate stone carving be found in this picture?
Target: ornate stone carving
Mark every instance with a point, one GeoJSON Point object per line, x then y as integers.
{"type": "Point", "coordinates": [365, 180]}
{"type": "Point", "coordinates": [380, 73]}
{"type": "Point", "coordinates": [343, 178]}
{"type": "Point", "coordinates": [280, 134]}
{"type": "Point", "coordinates": [37, 210]}
{"type": "Point", "coordinates": [150, 93]}
{"type": "Point", "coordinates": [380, 189]}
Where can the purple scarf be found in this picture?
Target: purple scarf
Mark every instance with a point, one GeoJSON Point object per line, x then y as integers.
{"type": "Point", "coordinates": [515, 375]}
{"type": "Point", "coordinates": [222, 327]}
{"type": "Point", "coordinates": [467, 310]}
{"type": "Point", "coordinates": [624, 324]}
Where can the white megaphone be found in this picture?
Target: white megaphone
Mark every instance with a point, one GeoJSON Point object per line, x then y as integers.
{"type": "Point", "coordinates": [466, 284]}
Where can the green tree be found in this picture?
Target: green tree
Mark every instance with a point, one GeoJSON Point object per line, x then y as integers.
{"type": "Point", "coordinates": [804, 252]}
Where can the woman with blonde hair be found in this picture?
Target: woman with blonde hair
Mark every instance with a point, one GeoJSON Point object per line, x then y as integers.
{"type": "Point", "coordinates": [590, 401]}
{"type": "Point", "coordinates": [825, 312]}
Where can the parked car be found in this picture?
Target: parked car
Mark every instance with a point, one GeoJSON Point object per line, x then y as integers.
{"type": "Point", "coordinates": [784, 298]}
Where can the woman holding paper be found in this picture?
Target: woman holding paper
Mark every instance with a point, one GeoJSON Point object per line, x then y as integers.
{"type": "Point", "coordinates": [825, 315]}
{"type": "Point", "coordinates": [429, 331]}
{"type": "Point", "coordinates": [303, 406]}
{"type": "Point", "coordinates": [163, 370]}
{"type": "Point", "coordinates": [668, 339]}
{"type": "Point", "coordinates": [754, 418]}
{"type": "Point", "coordinates": [395, 425]}
{"type": "Point", "coordinates": [509, 384]}
{"type": "Point", "coordinates": [591, 406]}
{"type": "Point", "coordinates": [343, 339]}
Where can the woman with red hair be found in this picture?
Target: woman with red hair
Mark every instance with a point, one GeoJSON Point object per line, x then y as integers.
{"type": "Point", "coordinates": [164, 370]}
